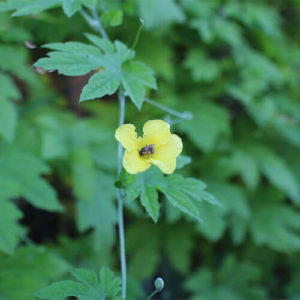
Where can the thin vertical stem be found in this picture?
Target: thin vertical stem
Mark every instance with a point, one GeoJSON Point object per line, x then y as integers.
{"type": "Point", "coordinates": [95, 22]}
{"type": "Point", "coordinates": [99, 25]}
{"type": "Point", "coordinates": [120, 200]}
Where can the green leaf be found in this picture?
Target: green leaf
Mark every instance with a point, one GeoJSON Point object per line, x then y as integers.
{"type": "Point", "coordinates": [8, 120]}
{"type": "Point", "coordinates": [110, 285]}
{"type": "Point", "coordinates": [84, 175]}
{"type": "Point", "coordinates": [74, 58]}
{"type": "Point", "coordinates": [179, 242]}
{"type": "Point", "coordinates": [70, 7]}
{"type": "Point", "coordinates": [112, 18]}
{"type": "Point", "coordinates": [15, 60]}
{"type": "Point", "coordinates": [182, 161]}
{"type": "Point", "coordinates": [274, 168]}
{"type": "Point", "coordinates": [53, 136]}
{"type": "Point", "coordinates": [8, 90]}
{"type": "Point", "coordinates": [180, 191]}
{"type": "Point", "coordinates": [149, 199]}
{"type": "Point", "coordinates": [46, 267]}
{"type": "Point", "coordinates": [10, 230]}
{"type": "Point", "coordinates": [100, 84]}
{"type": "Point", "coordinates": [71, 58]}
{"type": "Point", "coordinates": [279, 229]}
{"type": "Point", "coordinates": [27, 7]}
{"type": "Point", "coordinates": [64, 289]}
{"type": "Point", "coordinates": [90, 288]}
{"type": "Point", "coordinates": [88, 277]}
{"type": "Point", "coordinates": [100, 213]}
{"type": "Point", "coordinates": [234, 280]}
{"type": "Point", "coordinates": [20, 176]}
{"type": "Point", "coordinates": [135, 76]}
{"type": "Point", "coordinates": [210, 122]}
{"type": "Point", "coordinates": [143, 244]}
{"type": "Point", "coordinates": [182, 201]}
{"type": "Point", "coordinates": [202, 67]}
{"type": "Point", "coordinates": [159, 14]}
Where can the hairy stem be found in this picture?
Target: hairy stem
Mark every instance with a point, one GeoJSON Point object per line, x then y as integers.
{"type": "Point", "coordinates": [120, 200]}
{"type": "Point", "coordinates": [185, 115]}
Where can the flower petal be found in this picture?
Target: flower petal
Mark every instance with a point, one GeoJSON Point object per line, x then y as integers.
{"type": "Point", "coordinates": [165, 155]}
{"type": "Point", "coordinates": [156, 132]}
{"type": "Point", "coordinates": [127, 136]}
{"type": "Point", "coordinates": [134, 164]}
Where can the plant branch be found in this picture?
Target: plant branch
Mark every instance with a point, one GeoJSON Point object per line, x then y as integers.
{"type": "Point", "coordinates": [120, 199]}
{"type": "Point", "coordinates": [94, 22]}
{"type": "Point", "coordinates": [185, 115]}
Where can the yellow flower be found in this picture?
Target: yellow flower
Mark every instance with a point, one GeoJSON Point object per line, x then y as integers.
{"type": "Point", "coordinates": [157, 146]}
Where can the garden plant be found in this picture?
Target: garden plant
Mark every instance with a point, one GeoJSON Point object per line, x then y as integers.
{"type": "Point", "coordinates": [149, 149]}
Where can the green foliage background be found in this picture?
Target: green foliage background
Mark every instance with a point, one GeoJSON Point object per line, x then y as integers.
{"type": "Point", "coordinates": [235, 65]}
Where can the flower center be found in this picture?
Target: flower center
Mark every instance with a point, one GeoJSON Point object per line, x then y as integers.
{"type": "Point", "coordinates": [147, 150]}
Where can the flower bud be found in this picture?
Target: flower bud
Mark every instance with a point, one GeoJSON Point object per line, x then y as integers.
{"type": "Point", "coordinates": [159, 284]}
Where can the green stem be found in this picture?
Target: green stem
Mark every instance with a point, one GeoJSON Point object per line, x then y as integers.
{"type": "Point", "coordinates": [185, 115]}
{"type": "Point", "coordinates": [153, 293]}
{"type": "Point", "coordinates": [138, 34]}
{"type": "Point", "coordinates": [120, 199]}
{"type": "Point", "coordinates": [94, 22]}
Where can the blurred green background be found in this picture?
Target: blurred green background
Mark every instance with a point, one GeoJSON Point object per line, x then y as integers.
{"type": "Point", "coordinates": [236, 66]}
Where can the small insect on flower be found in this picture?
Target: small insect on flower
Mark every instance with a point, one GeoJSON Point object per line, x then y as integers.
{"type": "Point", "coordinates": [158, 146]}
{"type": "Point", "coordinates": [147, 150]}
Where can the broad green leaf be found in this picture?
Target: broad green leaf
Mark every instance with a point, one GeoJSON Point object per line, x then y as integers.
{"type": "Point", "coordinates": [182, 201]}
{"type": "Point", "coordinates": [110, 285]}
{"type": "Point", "coordinates": [84, 175]}
{"type": "Point", "coordinates": [179, 244]}
{"type": "Point", "coordinates": [179, 191]}
{"type": "Point", "coordinates": [234, 280]}
{"type": "Point", "coordinates": [182, 161]}
{"type": "Point", "coordinates": [88, 287]}
{"type": "Point", "coordinates": [112, 18]}
{"type": "Point", "coordinates": [112, 63]}
{"type": "Point", "coordinates": [10, 229]}
{"type": "Point", "coordinates": [149, 199]}
{"type": "Point", "coordinates": [63, 289]}
{"type": "Point", "coordinates": [134, 77]}
{"type": "Point", "coordinates": [15, 32]}
{"type": "Point", "coordinates": [105, 45]}
{"type": "Point", "coordinates": [210, 122]}
{"type": "Point", "coordinates": [145, 185]}
{"type": "Point", "coordinates": [13, 59]}
{"type": "Point", "coordinates": [43, 265]}
{"type": "Point", "coordinates": [275, 169]}
{"type": "Point", "coordinates": [100, 213]}
{"type": "Point", "coordinates": [8, 120]}
{"type": "Point", "coordinates": [142, 244]}
{"type": "Point", "coordinates": [88, 277]}
{"type": "Point", "coordinates": [100, 84]}
{"type": "Point", "coordinates": [70, 7]}
{"type": "Point", "coordinates": [158, 14]}
{"type": "Point", "coordinates": [71, 58]}
{"type": "Point", "coordinates": [277, 229]}
{"type": "Point", "coordinates": [54, 142]}
{"type": "Point", "coordinates": [27, 7]}
{"type": "Point", "coordinates": [202, 67]}
{"type": "Point", "coordinates": [8, 88]}
{"type": "Point", "coordinates": [20, 176]}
